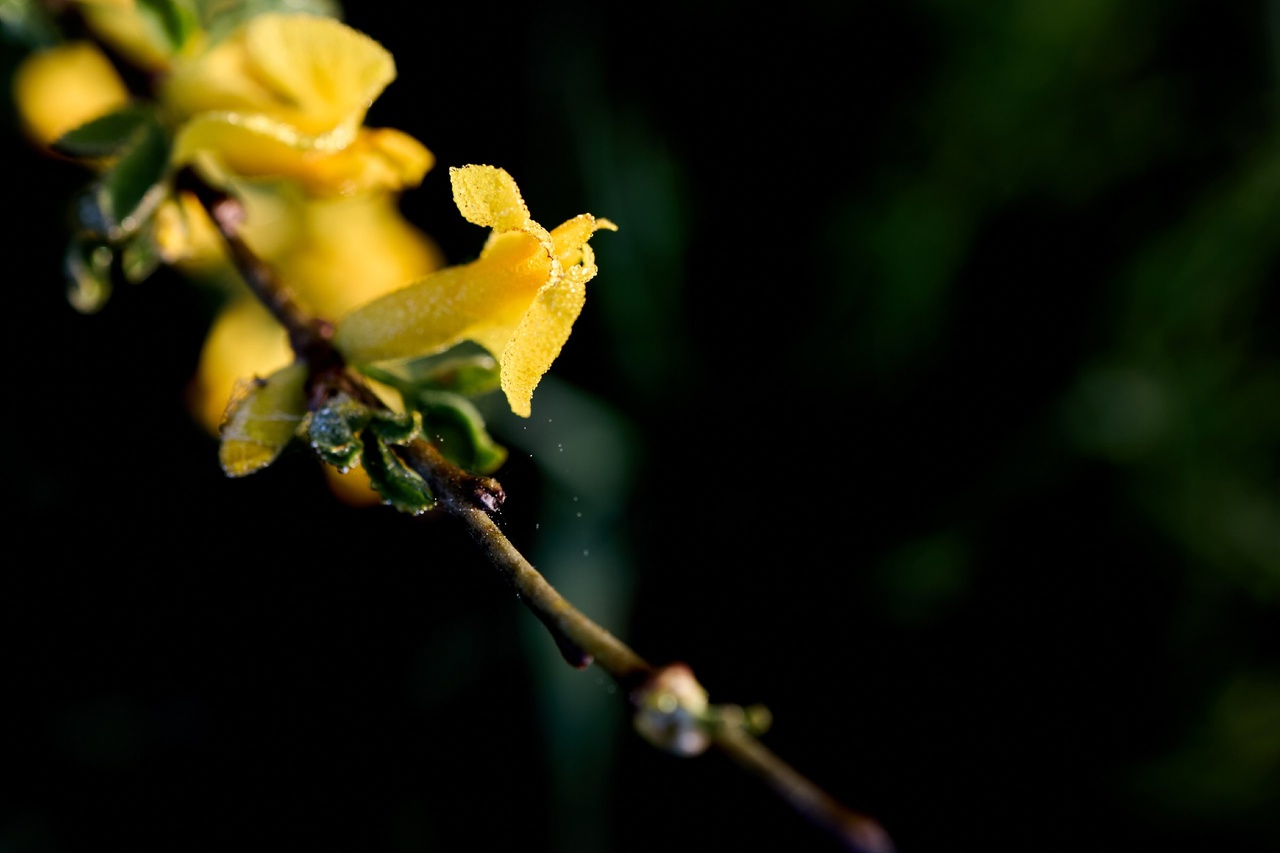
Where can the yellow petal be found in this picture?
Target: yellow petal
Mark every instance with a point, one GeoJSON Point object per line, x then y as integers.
{"type": "Point", "coordinates": [257, 146]}
{"type": "Point", "coordinates": [488, 196]}
{"type": "Point", "coordinates": [570, 238]}
{"type": "Point", "coordinates": [536, 342]}
{"type": "Point", "coordinates": [337, 253]}
{"type": "Point", "coordinates": [309, 71]}
{"type": "Point", "coordinates": [481, 301]}
{"type": "Point", "coordinates": [60, 88]}
{"type": "Point", "coordinates": [353, 487]}
{"type": "Point", "coordinates": [186, 236]}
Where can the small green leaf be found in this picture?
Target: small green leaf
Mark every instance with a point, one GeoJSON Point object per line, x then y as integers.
{"type": "Point", "coordinates": [465, 369]}
{"type": "Point", "coordinates": [125, 196]}
{"type": "Point", "coordinates": [29, 23]}
{"type": "Point", "coordinates": [457, 428]}
{"type": "Point", "coordinates": [169, 22]}
{"type": "Point", "coordinates": [107, 135]}
{"type": "Point", "coordinates": [334, 430]}
{"type": "Point", "coordinates": [399, 485]}
{"type": "Point", "coordinates": [264, 418]}
{"type": "Point", "coordinates": [395, 428]}
{"type": "Point", "coordinates": [131, 190]}
{"type": "Point", "coordinates": [87, 265]}
{"type": "Point", "coordinates": [220, 17]}
{"type": "Point", "coordinates": [140, 257]}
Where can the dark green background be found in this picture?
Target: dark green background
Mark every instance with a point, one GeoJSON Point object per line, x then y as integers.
{"type": "Point", "coordinates": [929, 394]}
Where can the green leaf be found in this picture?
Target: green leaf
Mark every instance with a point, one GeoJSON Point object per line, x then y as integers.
{"type": "Point", "coordinates": [171, 22]}
{"type": "Point", "coordinates": [457, 429]}
{"type": "Point", "coordinates": [220, 17]}
{"type": "Point", "coordinates": [344, 431]}
{"type": "Point", "coordinates": [395, 428]}
{"type": "Point", "coordinates": [132, 189]}
{"type": "Point", "coordinates": [399, 485]}
{"type": "Point", "coordinates": [106, 136]}
{"type": "Point", "coordinates": [123, 198]}
{"type": "Point", "coordinates": [87, 265]}
{"type": "Point", "coordinates": [140, 257]}
{"type": "Point", "coordinates": [334, 430]}
{"type": "Point", "coordinates": [466, 369]}
{"type": "Point", "coordinates": [28, 23]}
{"type": "Point", "coordinates": [264, 418]}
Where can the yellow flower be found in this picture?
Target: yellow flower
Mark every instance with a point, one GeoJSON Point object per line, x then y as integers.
{"type": "Point", "coordinates": [312, 73]}
{"type": "Point", "coordinates": [335, 253]}
{"type": "Point", "coordinates": [285, 96]}
{"type": "Point", "coordinates": [332, 254]}
{"type": "Point", "coordinates": [60, 88]}
{"type": "Point", "coordinates": [274, 114]}
{"type": "Point", "coordinates": [518, 300]}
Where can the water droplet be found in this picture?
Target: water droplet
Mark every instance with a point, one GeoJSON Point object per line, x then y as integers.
{"type": "Point", "coordinates": [579, 515]}
{"type": "Point", "coordinates": [586, 553]}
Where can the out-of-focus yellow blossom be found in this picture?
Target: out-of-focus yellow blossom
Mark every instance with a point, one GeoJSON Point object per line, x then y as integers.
{"type": "Point", "coordinates": [226, 145]}
{"type": "Point", "coordinates": [335, 253]}
{"type": "Point", "coordinates": [518, 300]}
{"type": "Point", "coordinates": [244, 342]}
{"type": "Point", "coordinates": [312, 73]}
{"type": "Point", "coordinates": [285, 96]}
{"type": "Point", "coordinates": [62, 87]}
{"type": "Point", "coordinates": [135, 36]}
{"type": "Point", "coordinates": [187, 239]}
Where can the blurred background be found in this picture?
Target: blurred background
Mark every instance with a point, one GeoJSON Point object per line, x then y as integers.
{"type": "Point", "coordinates": [929, 395]}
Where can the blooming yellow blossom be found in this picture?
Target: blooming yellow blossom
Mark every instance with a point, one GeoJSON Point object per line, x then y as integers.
{"type": "Point", "coordinates": [62, 87]}
{"type": "Point", "coordinates": [518, 300]}
{"type": "Point", "coordinates": [285, 96]}
{"type": "Point", "coordinates": [310, 72]}
{"type": "Point", "coordinates": [336, 253]}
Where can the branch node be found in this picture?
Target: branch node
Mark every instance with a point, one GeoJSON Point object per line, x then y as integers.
{"type": "Point", "coordinates": [671, 711]}
{"type": "Point", "coordinates": [573, 654]}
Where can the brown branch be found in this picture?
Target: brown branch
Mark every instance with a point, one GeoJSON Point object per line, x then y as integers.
{"type": "Point", "coordinates": [670, 700]}
{"type": "Point", "coordinates": [856, 830]}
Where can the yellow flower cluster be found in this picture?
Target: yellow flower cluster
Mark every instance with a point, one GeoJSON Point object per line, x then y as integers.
{"type": "Point", "coordinates": [273, 112]}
